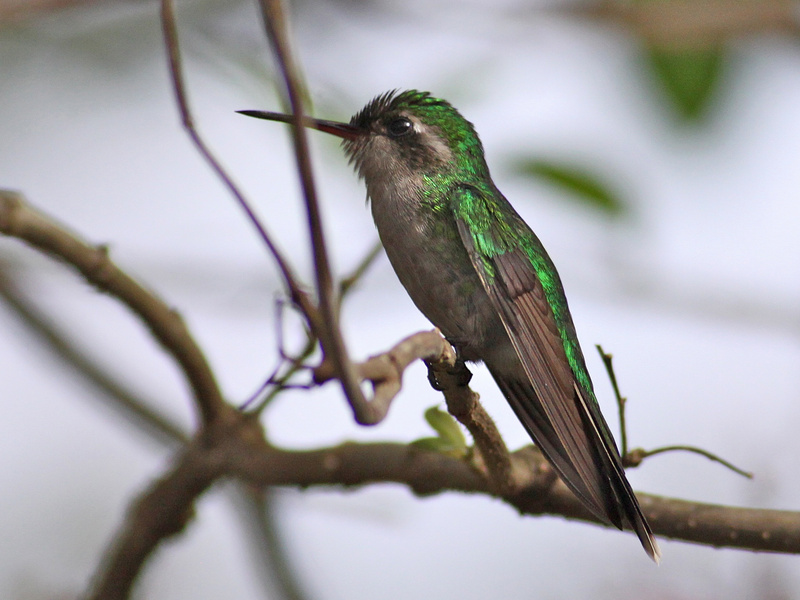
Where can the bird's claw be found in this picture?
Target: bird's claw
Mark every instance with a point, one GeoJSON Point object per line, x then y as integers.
{"type": "Point", "coordinates": [459, 372]}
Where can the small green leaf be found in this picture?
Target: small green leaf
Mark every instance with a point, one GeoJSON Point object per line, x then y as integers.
{"type": "Point", "coordinates": [446, 426]}
{"type": "Point", "coordinates": [450, 440]}
{"type": "Point", "coordinates": [690, 77]}
{"type": "Point", "coordinates": [582, 184]}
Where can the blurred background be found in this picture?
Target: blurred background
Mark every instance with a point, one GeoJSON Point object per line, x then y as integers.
{"type": "Point", "coordinates": [653, 146]}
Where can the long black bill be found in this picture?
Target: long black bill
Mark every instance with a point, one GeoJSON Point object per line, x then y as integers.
{"type": "Point", "coordinates": [342, 130]}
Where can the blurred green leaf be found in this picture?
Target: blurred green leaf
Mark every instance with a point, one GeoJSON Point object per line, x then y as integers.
{"type": "Point", "coordinates": [445, 425]}
{"type": "Point", "coordinates": [450, 440]}
{"type": "Point", "coordinates": [583, 185]}
{"type": "Point", "coordinates": [690, 77]}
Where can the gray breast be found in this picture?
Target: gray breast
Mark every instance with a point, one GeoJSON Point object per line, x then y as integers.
{"type": "Point", "coordinates": [430, 260]}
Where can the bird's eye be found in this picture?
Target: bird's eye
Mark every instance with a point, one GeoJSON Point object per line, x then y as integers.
{"type": "Point", "coordinates": [399, 127]}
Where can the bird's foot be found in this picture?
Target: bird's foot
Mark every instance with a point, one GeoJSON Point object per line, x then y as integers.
{"type": "Point", "coordinates": [442, 377]}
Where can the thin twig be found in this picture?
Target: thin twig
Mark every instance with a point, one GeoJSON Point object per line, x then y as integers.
{"type": "Point", "coordinates": [621, 400]}
{"type": "Point", "coordinates": [291, 282]}
{"type": "Point", "coordinates": [330, 336]}
{"type": "Point", "coordinates": [281, 382]}
{"type": "Point", "coordinates": [297, 362]}
{"type": "Point", "coordinates": [275, 23]}
{"type": "Point", "coordinates": [637, 455]}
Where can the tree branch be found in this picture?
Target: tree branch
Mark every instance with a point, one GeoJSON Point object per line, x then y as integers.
{"type": "Point", "coordinates": [18, 219]}
{"type": "Point", "coordinates": [236, 449]}
{"type": "Point", "coordinates": [427, 473]}
{"type": "Point", "coordinates": [166, 507]}
{"type": "Point", "coordinates": [385, 371]}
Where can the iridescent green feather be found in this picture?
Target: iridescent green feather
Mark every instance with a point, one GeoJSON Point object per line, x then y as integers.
{"type": "Point", "coordinates": [499, 229]}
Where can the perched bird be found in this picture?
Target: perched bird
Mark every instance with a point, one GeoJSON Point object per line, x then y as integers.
{"type": "Point", "coordinates": [478, 272]}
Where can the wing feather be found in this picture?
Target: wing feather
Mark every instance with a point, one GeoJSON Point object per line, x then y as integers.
{"type": "Point", "coordinates": [562, 416]}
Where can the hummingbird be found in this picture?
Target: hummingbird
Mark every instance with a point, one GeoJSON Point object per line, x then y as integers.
{"type": "Point", "coordinates": [477, 271]}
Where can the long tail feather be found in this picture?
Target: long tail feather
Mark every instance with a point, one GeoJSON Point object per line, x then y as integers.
{"type": "Point", "coordinates": [594, 473]}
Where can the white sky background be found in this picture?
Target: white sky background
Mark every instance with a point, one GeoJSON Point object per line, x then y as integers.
{"type": "Point", "coordinates": [695, 294]}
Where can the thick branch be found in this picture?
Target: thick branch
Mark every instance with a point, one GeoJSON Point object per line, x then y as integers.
{"type": "Point", "coordinates": [161, 512]}
{"type": "Point", "coordinates": [166, 507]}
{"type": "Point", "coordinates": [235, 447]}
{"type": "Point", "coordinates": [428, 473]}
